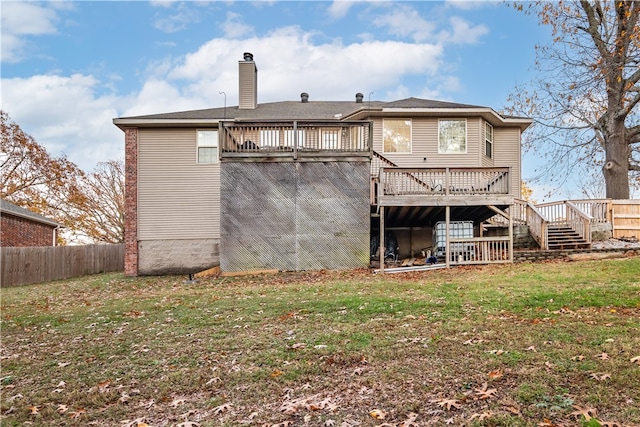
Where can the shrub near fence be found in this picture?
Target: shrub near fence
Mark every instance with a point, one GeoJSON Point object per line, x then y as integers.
{"type": "Point", "coordinates": [26, 265]}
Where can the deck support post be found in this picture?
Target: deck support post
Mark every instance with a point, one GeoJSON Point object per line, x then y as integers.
{"type": "Point", "coordinates": [382, 243]}
{"type": "Point", "coordinates": [447, 220]}
{"type": "Point", "coordinates": [511, 233]}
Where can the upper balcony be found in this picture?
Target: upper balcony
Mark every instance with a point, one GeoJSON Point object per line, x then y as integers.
{"type": "Point", "coordinates": [273, 141]}
{"type": "Point", "coordinates": [442, 186]}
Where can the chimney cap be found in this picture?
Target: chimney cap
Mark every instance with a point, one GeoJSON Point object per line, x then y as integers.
{"type": "Point", "coordinates": [304, 96]}
{"type": "Point", "coordinates": [248, 56]}
{"type": "Point", "coordinates": [359, 97]}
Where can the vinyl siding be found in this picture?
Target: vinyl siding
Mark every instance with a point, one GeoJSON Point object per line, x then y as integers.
{"type": "Point", "coordinates": [425, 144]}
{"type": "Point", "coordinates": [506, 153]}
{"type": "Point", "coordinates": [177, 198]}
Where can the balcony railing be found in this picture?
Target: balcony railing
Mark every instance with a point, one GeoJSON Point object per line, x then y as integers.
{"type": "Point", "coordinates": [443, 181]}
{"type": "Point", "coordinates": [269, 139]}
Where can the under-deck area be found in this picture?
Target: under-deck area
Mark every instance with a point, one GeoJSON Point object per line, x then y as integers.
{"type": "Point", "coordinates": [412, 201]}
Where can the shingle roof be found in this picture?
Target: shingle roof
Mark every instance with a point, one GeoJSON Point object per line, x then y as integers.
{"type": "Point", "coordinates": [11, 209]}
{"type": "Point", "coordinates": [297, 110]}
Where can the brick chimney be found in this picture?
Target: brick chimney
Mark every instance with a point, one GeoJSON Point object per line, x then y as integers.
{"type": "Point", "coordinates": [248, 79]}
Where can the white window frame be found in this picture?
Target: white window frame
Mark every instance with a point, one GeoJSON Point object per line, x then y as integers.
{"type": "Point", "coordinates": [205, 140]}
{"type": "Point", "coordinates": [269, 138]}
{"type": "Point", "coordinates": [388, 133]}
{"type": "Point", "coordinates": [446, 149]}
{"type": "Point", "coordinates": [488, 140]}
{"type": "Point", "coordinates": [290, 137]}
{"type": "Point", "coordinates": [330, 138]}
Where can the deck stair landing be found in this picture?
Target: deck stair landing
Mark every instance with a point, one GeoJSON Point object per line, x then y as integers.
{"type": "Point", "coordinates": [562, 236]}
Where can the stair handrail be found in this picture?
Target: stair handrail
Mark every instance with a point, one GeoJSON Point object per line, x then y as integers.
{"type": "Point", "coordinates": [579, 221]}
{"type": "Point", "coordinates": [538, 226]}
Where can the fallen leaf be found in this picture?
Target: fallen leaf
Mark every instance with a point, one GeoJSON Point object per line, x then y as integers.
{"type": "Point", "coordinates": [34, 410]}
{"type": "Point", "coordinates": [103, 386]}
{"type": "Point", "coordinates": [636, 360]}
{"type": "Point", "coordinates": [587, 413]}
{"type": "Point", "coordinates": [600, 377]}
{"type": "Point", "coordinates": [531, 348]}
{"type": "Point", "coordinates": [494, 375]}
{"type": "Point", "coordinates": [447, 403]}
{"type": "Point", "coordinates": [177, 401]}
{"type": "Point", "coordinates": [78, 413]}
{"type": "Point", "coordinates": [484, 393]}
{"type": "Point", "coordinates": [63, 364]}
{"type": "Point", "coordinates": [62, 408]}
{"type": "Point", "coordinates": [188, 424]}
{"type": "Point", "coordinates": [578, 358]}
{"type": "Point", "coordinates": [222, 408]}
{"type": "Point", "coordinates": [276, 373]}
{"type": "Point", "coordinates": [378, 414]}
{"type": "Point", "coordinates": [603, 356]}
{"type": "Point", "coordinates": [481, 417]}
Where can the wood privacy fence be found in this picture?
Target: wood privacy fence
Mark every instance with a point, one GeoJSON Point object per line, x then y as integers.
{"type": "Point", "coordinates": [23, 266]}
{"type": "Point", "coordinates": [625, 218]}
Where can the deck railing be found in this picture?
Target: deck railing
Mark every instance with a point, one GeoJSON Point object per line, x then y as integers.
{"type": "Point", "coordinates": [538, 225]}
{"type": "Point", "coordinates": [599, 209]}
{"type": "Point", "coordinates": [443, 181]}
{"type": "Point", "coordinates": [479, 250]}
{"type": "Point", "coordinates": [271, 138]}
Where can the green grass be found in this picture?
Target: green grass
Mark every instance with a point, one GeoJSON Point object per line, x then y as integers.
{"type": "Point", "coordinates": [543, 341]}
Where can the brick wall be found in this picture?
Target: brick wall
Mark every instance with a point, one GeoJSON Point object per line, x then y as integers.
{"type": "Point", "coordinates": [131, 202]}
{"type": "Point", "coordinates": [21, 232]}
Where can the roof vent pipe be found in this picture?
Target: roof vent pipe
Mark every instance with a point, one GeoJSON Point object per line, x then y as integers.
{"type": "Point", "coordinates": [304, 96]}
{"type": "Point", "coordinates": [248, 56]}
{"type": "Point", "coordinates": [359, 97]}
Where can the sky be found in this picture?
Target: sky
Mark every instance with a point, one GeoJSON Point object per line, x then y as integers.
{"type": "Point", "coordinates": [69, 68]}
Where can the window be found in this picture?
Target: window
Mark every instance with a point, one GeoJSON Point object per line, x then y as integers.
{"type": "Point", "coordinates": [396, 134]}
{"type": "Point", "coordinates": [207, 146]}
{"type": "Point", "coordinates": [330, 139]}
{"type": "Point", "coordinates": [269, 138]}
{"type": "Point", "coordinates": [292, 136]}
{"type": "Point", "coordinates": [488, 140]}
{"type": "Point", "coordinates": [452, 136]}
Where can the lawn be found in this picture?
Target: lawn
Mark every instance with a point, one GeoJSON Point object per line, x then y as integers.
{"type": "Point", "coordinates": [548, 344]}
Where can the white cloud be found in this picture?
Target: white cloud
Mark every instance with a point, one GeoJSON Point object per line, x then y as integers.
{"type": "Point", "coordinates": [20, 20]}
{"type": "Point", "coordinates": [64, 115]}
{"type": "Point", "coordinates": [290, 63]}
{"type": "Point", "coordinates": [339, 8]}
{"type": "Point", "coordinates": [462, 32]}
{"type": "Point", "coordinates": [404, 21]}
{"type": "Point", "coordinates": [234, 28]}
{"type": "Point", "coordinates": [177, 21]}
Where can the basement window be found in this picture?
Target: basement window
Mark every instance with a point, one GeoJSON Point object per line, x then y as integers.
{"type": "Point", "coordinates": [396, 134]}
{"type": "Point", "coordinates": [207, 146]}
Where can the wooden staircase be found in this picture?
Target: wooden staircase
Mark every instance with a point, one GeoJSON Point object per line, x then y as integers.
{"type": "Point", "coordinates": [561, 236]}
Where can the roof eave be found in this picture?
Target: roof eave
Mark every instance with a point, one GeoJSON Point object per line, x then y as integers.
{"type": "Point", "coordinates": [149, 123]}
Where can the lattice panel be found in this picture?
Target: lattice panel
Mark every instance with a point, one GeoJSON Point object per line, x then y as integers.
{"type": "Point", "coordinates": [294, 216]}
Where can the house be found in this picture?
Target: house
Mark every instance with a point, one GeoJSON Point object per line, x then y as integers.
{"type": "Point", "coordinates": [21, 227]}
{"type": "Point", "coordinates": [302, 185]}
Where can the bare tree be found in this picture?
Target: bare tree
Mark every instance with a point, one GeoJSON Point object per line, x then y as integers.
{"type": "Point", "coordinates": [585, 101]}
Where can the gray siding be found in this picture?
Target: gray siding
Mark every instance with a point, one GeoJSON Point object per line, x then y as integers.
{"type": "Point", "coordinates": [177, 198]}
{"type": "Point", "coordinates": [506, 147]}
{"type": "Point", "coordinates": [425, 144]}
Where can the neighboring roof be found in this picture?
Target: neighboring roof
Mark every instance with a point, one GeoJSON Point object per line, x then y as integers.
{"type": "Point", "coordinates": [315, 110]}
{"type": "Point", "coordinates": [11, 209]}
